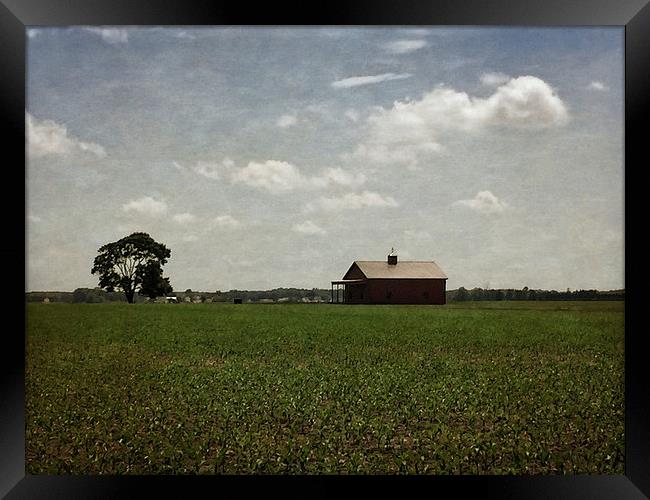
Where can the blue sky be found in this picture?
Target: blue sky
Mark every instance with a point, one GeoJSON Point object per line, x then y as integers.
{"type": "Point", "coordinates": [267, 157]}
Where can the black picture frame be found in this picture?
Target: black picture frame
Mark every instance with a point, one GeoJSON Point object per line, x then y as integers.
{"type": "Point", "coordinates": [16, 15]}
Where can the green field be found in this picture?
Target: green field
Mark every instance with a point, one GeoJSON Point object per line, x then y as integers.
{"type": "Point", "coordinates": [471, 388]}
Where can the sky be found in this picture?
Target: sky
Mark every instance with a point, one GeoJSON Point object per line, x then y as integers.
{"type": "Point", "coordinates": [275, 157]}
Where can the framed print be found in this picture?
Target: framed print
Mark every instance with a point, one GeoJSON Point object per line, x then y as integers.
{"type": "Point", "coordinates": [380, 242]}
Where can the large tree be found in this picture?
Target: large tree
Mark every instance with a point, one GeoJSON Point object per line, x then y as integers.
{"type": "Point", "coordinates": [127, 263]}
{"type": "Point", "coordinates": [153, 284]}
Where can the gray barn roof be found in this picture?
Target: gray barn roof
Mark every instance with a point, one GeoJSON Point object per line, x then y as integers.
{"type": "Point", "coordinates": [374, 269]}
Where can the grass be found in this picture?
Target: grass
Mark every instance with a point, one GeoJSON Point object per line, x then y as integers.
{"type": "Point", "coordinates": [473, 388]}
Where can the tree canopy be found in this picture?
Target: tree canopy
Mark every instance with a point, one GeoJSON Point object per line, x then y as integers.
{"type": "Point", "coordinates": [153, 284]}
{"type": "Point", "coordinates": [133, 263]}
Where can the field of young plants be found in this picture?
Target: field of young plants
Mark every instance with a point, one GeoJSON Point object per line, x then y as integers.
{"type": "Point", "coordinates": [468, 388]}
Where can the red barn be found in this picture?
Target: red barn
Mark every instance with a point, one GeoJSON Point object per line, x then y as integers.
{"type": "Point", "coordinates": [391, 282]}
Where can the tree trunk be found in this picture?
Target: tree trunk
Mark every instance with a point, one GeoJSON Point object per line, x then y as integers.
{"type": "Point", "coordinates": [129, 296]}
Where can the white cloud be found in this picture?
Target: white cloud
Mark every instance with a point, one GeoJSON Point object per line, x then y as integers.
{"type": "Point", "coordinates": [274, 176]}
{"type": "Point", "coordinates": [146, 205]}
{"type": "Point", "coordinates": [33, 32]}
{"type": "Point", "coordinates": [190, 238]}
{"type": "Point", "coordinates": [34, 218]}
{"type": "Point", "coordinates": [404, 46]}
{"type": "Point", "coordinates": [484, 202]}
{"type": "Point", "coordinates": [208, 169]}
{"type": "Point", "coordinates": [525, 101]}
{"type": "Point", "coordinates": [226, 221]}
{"type": "Point", "coordinates": [352, 115]}
{"type": "Point", "coordinates": [48, 138]}
{"type": "Point", "coordinates": [280, 177]}
{"type": "Point", "coordinates": [494, 79]}
{"type": "Point", "coordinates": [185, 35]}
{"type": "Point", "coordinates": [343, 177]}
{"type": "Point", "coordinates": [110, 35]}
{"type": "Point", "coordinates": [395, 152]}
{"type": "Point", "coordinates": [409, 128]}
{"type": "Point", "coordinates": [184, 218]}
{"type": "Point", "coordinates": [352, 201]}
{"type": "Point", "coordinates": [355, 81]}
{"type": "Point", "coordinates": [308, 227]}
{"type": "Point", "coordinates": [320, 108]}
{"type": "Point", "coordinates": [595, 85]}
{"type": "Point", "coordinates": [286, 121]}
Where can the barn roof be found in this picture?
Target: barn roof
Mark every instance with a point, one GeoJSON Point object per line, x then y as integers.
{"type": "Point", "coordinates": [373, 269]}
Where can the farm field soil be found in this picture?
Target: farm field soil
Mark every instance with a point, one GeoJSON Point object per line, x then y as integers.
{"type": "Point", "coordinates": [467, 388]}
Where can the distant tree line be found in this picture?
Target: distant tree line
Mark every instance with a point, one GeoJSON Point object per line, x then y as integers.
{"type": "Point", "coordinates": [98, 295]}
{"type": "Point", "coordinates": [48, 297]}
{"type": "Point", "coordinates": [294, 295]}
{"type": "Point", "coordinates": [276, 295]}
{"type": "Point", "coordinates": [462, 294]}
{"type": "Point", "coordinates": [80, 295]}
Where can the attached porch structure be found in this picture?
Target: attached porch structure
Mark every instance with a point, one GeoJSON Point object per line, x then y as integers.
{"type": "Point", "coordinates": [344, 290]}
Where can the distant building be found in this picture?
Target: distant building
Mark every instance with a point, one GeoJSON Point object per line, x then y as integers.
{"type": "Point", "coordinates": [165, 300]}
{"type": "Point", "coordinates": [390, 282]}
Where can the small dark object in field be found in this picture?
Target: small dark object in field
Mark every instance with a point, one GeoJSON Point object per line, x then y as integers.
{"type": "Point", "coordinates": [237, 301]}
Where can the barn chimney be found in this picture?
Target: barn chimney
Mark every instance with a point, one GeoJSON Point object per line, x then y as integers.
{"type": "Point", "coordinates": [392, 258]}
